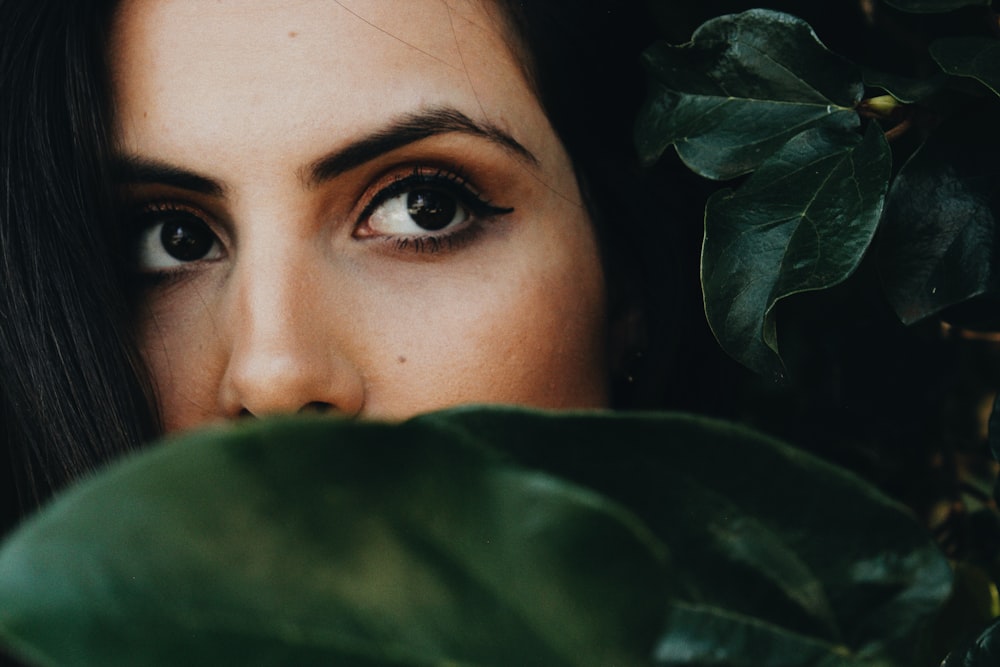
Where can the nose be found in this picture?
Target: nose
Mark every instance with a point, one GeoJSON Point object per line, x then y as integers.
{"type": "Point", "coordinates": [287, 348]}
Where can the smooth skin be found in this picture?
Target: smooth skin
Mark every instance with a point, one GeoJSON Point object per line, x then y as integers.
{"type": "Point", "coordinates": [285, 146]}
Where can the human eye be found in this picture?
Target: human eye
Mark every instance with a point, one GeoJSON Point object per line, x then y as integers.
{"type": "Point", "coordinates": [170, 236]}
{"type": "Point", "coordinates": [423, 208]}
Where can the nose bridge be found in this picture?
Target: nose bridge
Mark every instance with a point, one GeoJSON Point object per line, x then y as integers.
{"type": "Point", "coordinates": [284, 353]}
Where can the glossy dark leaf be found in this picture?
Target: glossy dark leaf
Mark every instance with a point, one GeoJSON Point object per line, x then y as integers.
{"type": "Point", "coordinates": [904, 88]}
{"type": "Point", "coordinates": [692, 640]}
{"type": "Point", "coordinates": [983, 651]}
{"type": "Point", "coordinates": [994, 440]}
{"type": "Point", "coordinates": [974, 57]}
{"type": "Point", "coordinates": [320, 543]}
{"type": "Point", "coordinates": [757, 531]}
{"type": "Point", "coordinates": [743, 86]}
{"type": "Point", "coordinates": [934, 6]}
{"type": "Point", "coordinates": [941, 232]}
{"type": "Point", "coordinates": [801, 222]}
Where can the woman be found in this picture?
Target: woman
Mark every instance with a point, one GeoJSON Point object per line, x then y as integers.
{"type": "Point", "coordinates": [371, 208]}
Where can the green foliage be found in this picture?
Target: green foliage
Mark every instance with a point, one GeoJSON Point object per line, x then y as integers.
{"type": "Point", "coordinates": [983, 651]}
{"type": "Point", "coordinates": [933, 6]}
{"type": "Point", "coordinates": [801, 222]}
{"type": "Point", "coordinates": [694, 633]}
{"type": "Point", "coordinates": [740, 89]}
{"type": "Point", "coordinates": [974, 57]}
{"type": "Point", "coordinates": [940, 224]}
{"type": "Point", "coordinates": [751, 92]}
{"type": "Point", "coordinates": [861, 199]}
{"type": "Point", "coordinates": [771, 537]}
{"type": "Point", "coordinates": [458, 538]}
{"type": "Point", "coordinates": [500, 537]}
{"type": "Point", "coordinates": [330, 543]}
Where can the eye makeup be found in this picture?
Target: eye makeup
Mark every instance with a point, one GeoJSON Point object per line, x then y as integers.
{"type": "Point", "coordinates": [427, 209]}
{"type": "Point", "coordinates": [169, 236]}
{"type": "Point", "coordinates": [415, 209]}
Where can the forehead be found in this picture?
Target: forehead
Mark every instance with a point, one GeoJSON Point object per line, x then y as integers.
{"type": "Point", "coordinates": [422, 29]}
{"type": "Point", "coordinates": [187, 68]}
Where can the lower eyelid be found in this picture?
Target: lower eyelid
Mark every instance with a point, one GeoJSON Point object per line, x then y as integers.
{"type": "Point", "coordinates": [434, 243]}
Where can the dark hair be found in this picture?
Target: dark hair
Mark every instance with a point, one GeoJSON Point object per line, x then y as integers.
{"type": "Point", "coordinates": [584, 63]}
{"type": "Point", "coordinates": [73, 393]}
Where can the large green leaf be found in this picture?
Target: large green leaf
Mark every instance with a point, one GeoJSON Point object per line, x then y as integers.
{"type": "Point", "coordinates": [331, 542]}
{"type": "Point", "coordinates": [801, 222]}
{"type": "Point", "coordinates": [940, 243]}
{"type": "Point", "coordinates": [317, 543]}
{"type": "Point", "coordinates": [743, 86]}
{"type": "Point", "coordinates": [934, 6]}
{"type": "Point", "coordinates": [756, 530]}
{"type": "Point", "coordinates": [692, 640]}
{"type": "Point", "coordinates": [974, 57]}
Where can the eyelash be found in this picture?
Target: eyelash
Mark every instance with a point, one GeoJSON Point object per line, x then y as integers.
{"type": "Point", "coordinates": [451, 182]}
{"type": "Point", "coordinates": [143, 218]}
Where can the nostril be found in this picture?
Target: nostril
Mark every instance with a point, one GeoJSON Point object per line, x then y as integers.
{"type": "Point", "coordinates": [316, 407]}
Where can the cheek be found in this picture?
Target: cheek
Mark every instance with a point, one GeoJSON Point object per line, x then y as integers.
{"type": "Point", "coordinates": [545, 343]}
{"type": "Point", "coordinates": [517, 318]}
{"type": "Point", "coordinates": [533, 333]}
{"type": "Point", "coordinates": [183, 353]}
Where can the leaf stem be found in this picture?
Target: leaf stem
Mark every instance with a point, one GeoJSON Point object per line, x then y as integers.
{"type": "Point", "coordinates": [899, 129]}
{"type": "Point", "coordinates": [888, 108]}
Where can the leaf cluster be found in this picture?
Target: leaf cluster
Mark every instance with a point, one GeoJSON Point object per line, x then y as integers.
{"type": "Point", "coordinates": [473, 537]}
{"type": "Point", "coordinates": [825, 178]}
{"type": "Point", "coordinates": [853, 186]}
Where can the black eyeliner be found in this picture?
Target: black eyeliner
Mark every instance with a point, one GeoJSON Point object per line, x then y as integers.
{"type": "Point", "coordinates": [449, 181]}
{"type": "Point", "coordinates": [141, 219]}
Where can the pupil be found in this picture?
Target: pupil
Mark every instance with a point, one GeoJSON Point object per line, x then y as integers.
{"type": "Point", "coordinates": [431, 210]}
{"type": "Point", "coordinates": [186, 240]}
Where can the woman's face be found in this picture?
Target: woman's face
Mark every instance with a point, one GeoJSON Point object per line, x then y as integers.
{"type": "Point", "coordinates": [356, 205]}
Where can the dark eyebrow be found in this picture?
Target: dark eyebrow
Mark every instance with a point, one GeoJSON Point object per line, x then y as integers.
{"type": "Point", "coordinates": [407, 130]}
{"type": "Point", "coordinates": [133, 170]}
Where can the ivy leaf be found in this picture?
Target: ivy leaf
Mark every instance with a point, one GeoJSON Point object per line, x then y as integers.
{"type": "Point", "coordinates": [801, 222]}
{"type": "Point", "coordinates": [322, 543]}
{"type": "Point", "coordinates": [934, 6]}
{"type": "Point", "coordinates": [940, 243]}
{"type": "Point", "coordinates": [974, 57]}
{"type": "Point", "coordinates": [743, 86]}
